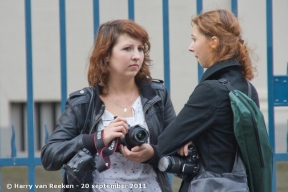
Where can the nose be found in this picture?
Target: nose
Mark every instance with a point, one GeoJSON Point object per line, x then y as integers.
{"type": "Point", "coordinates": [191, 47]}
{"type": "Point", "coordinates": [136, 55]}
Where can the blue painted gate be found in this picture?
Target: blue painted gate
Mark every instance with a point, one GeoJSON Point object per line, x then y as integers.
{"type": "Point", "coordinates": [276, 84]}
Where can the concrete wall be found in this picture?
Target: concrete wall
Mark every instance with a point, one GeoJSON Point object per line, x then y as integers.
{"type": "Point", "coordinates": [148, 13]}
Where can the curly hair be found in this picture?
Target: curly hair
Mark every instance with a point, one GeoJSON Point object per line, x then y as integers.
{"type": "Point", "coordinates": [107, 36]}
{"type": "Point", "coordinates": [225, 26]}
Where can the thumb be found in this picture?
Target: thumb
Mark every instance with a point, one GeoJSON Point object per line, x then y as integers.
{"type": "Point", "coordinates": [136, 148]}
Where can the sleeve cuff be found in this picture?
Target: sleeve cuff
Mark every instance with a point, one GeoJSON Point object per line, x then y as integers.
{"type": "Point", "coordinates": [154, 160]}
{"type": "Point", "coordinates": [88, 143]}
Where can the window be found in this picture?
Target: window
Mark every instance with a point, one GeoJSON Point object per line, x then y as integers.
{"type": "Point", "coordinates": [45, 115]}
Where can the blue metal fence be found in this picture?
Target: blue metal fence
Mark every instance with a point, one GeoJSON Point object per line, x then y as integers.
{"type": "Point", "coordinates": [277, 90]}
{"type": "Point", "coordinates": [63, 54]}
{"type": "Point", "coordinates": [275, 83]}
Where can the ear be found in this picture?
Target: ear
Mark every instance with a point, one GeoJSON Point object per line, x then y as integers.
{"type": "Point", "coordinates": [214, 42]}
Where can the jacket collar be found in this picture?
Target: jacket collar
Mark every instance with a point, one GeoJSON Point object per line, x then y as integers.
{"type": "Point", "coordinates": [218, 67]}
{"type": "Point", "coordinates": [146, 91]}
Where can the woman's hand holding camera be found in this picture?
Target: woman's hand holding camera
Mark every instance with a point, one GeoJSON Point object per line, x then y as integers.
{"type": "Point", "coordinates": [184, 150]}
{"type": "Point", "coordinates": [117, 128]}
{"type": "Point", "coordinates": [138, 154]}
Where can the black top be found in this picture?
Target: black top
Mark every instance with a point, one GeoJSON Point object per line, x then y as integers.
{"type": "Point", "coordinates": [207, 119]}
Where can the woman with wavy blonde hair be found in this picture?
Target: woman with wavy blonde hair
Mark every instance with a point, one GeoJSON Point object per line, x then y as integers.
{"type": "Point", "coordinates": [207, 117]}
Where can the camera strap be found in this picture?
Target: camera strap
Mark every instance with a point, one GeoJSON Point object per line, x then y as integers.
{"type": "Point", "coordinates": [104, 162]}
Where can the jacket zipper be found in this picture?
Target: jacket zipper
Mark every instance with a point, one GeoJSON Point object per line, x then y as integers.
{"type": "Point", "coordinates": [255, 130]}
{"type": "Point", "coordinates": [151, 105]}
{"type": "Point", "coordinates": [97, 121]}
{"type": "Point", "coordinates": [145, 116]}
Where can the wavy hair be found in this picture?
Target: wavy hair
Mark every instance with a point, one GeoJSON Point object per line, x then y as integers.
{"type": "Point", "coordinates": [107, 36]}
{"type": "Point", "coordinates": [225, 26]}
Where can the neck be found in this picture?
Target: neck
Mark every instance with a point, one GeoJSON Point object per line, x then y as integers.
{"type": "Point", "coordinates": [121, 87]}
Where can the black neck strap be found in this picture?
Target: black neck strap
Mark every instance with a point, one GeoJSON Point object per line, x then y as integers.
{"type": "Point", "coordinates": [227, 84]}
{"type": "Point", "coordinates": [104, 162]}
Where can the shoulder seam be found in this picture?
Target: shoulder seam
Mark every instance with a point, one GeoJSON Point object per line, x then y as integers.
{"type": "Point", "coordinates": [79, 97]}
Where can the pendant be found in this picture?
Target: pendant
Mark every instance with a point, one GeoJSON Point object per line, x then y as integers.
{"type": "Point", "coordinates": [125, 110]}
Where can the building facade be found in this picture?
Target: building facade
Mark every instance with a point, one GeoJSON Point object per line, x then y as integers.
{"type": "Point", "coordinates": [80, 39]}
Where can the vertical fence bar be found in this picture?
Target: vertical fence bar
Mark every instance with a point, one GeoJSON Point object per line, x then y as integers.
{"type": "Point", "coordinates": [63, 56]}
{"type": "Point", "coordinates": [95, 16]}
{"type": "Point", "coordinates": [1, 178]}
{"type": "Point", "coordinates": [62, 19]}
{"type": "Point", "coordinates": [166, 51]}
{"type": "Point", "coordinates": [30, 100]}
{"type": "Point", "coordinates": [166, 46]}
{"type": "Point", "coordinates": [13, 143]}
{"type": "Point", "coordinates": [0, 156]}
{"type": "Point", "coordinates": [269, 29]}
{"type": "Point", "coordinates": [234, 7]}
{"type": "Point", "coordinates": [131, 9]}
{"type": "Point", "coordinates": [270, 79]}
{"type": "Point", "coordinates": [199, 8]}
{"type": "Point", "coordinates": [46, 133]}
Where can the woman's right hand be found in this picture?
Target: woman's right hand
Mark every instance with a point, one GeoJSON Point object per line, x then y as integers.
{"type": "Point", "coordinates": [117, 128]}
{"type": "Point", "coordinates": [184, 150]}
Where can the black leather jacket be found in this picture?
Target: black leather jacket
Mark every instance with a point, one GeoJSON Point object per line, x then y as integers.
{"type": "Point", "coordinates": [66, 140]}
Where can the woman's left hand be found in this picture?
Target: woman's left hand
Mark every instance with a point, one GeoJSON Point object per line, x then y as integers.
{"type": "Point", "coordinates": [138, 154]}
{"type": "Point", "coordinates": [184, 150]}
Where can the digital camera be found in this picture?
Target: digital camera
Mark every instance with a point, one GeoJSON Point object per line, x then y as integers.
{"type": "Point", "coordinates": [136, 136]}
{"type": "Point", "coordinates": [182, 166]}
{"type": "Point", "coordinates": [79, 169]}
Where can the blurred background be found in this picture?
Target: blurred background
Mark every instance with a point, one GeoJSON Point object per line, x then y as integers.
{"type": "Point", "coordinates": [54, 44]}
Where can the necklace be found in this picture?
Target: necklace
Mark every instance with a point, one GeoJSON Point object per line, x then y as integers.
{"type": "Point", "coordinates": [124, 108]}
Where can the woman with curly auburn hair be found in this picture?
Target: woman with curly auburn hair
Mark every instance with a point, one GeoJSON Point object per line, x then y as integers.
{"type": "Point", "coordinates": [106, 38]}
{"type": "Point", "coordinates": [207, 117]}
{"type": "Point", "coordinates": [128, 112]}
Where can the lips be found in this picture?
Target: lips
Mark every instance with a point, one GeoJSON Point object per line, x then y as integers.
{"type": "Point", "coordinates": [134, 65]}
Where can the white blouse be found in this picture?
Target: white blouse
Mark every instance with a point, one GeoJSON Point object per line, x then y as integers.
{"type": "Point", "coordinates": [125, 175]}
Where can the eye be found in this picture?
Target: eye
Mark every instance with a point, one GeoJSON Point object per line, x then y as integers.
{"type": "Point", "coordinates": [127, 48]}
{"type": "Point", "coordinates": [141, 49]}
{"type": "Point", "coordinates": [192, 38]}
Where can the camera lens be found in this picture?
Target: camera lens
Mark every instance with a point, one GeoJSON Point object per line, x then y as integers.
{"type": "Point", "coordinates": [170, 164]}
{"type": "Point", "coordinates": [141, 135]}
{"type": "Point", "coordinates": [136, 136]}
{"type": "Point", "coordinates": [164, 164]}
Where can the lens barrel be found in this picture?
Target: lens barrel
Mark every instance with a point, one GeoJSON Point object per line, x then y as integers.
{"type": "Point", "coordinates": [136, 136]}
{"type": "Point", "coordinates": [185, 166]}
{"type": "Point", "coordinates": [170, 164]}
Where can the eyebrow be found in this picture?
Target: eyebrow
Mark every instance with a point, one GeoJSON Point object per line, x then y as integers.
{"type": "Point", "coordinates": [130, 44]}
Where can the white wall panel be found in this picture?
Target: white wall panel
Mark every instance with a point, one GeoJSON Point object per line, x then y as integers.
{"type": "Point", "coordinates": [219, 4]}
{"type": "Point", "coordinates": [183, 65]}
{"type": "Point", "coordinates": [111, 9]}
{"type": "Point", "coordinates": [149, 15]}
{"type": "Point", "coordinates": [12, 49]}
{"type": "Point", "coordinates": [46, 49]}
{"type": "Point", "coordinates": [80, 39]}
{"type": "Point", "coordinates": [280, 37]}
